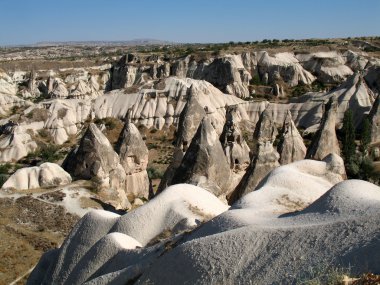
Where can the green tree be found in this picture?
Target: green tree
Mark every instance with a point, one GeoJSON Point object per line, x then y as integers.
{"type": "Point", "coordinates": [348, 142]}
{"type": "Point", "coordinates": [365, 136]}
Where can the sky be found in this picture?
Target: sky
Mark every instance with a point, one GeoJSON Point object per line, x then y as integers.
{"type": "Point", "coordinates": [190, 21]}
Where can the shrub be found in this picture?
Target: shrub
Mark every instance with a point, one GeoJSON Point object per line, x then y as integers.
{"type": "Point", "coordinates": [154, 173]}
{"type": "Point", "coordinates": [5, 168]}
{"type": "Point", "coordinates": [47, 153]}
{"type": "Point", "coordinates": [349, 146]}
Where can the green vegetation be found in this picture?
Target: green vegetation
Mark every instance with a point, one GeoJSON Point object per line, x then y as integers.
{"type": "Point", "coordinates": [154, 173]}
{"type": "Point", "coordinates": [46, 153]}
{"type": "Point", "coordinates": [358, 164]}
{"type": "Point", "coordinates": [349, 146]}
{"type": "Point", "coordinates": [365, 136]}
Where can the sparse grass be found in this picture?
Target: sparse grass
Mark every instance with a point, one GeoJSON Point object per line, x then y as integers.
{"type": "Point", "coordinates": [323, 275]}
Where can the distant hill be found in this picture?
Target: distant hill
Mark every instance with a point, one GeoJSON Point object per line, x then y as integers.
{"type": "Point", "coordinates": [135, 42]}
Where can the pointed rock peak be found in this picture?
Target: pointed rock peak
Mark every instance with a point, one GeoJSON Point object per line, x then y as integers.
{"type": "Point", "coordinates": [134, 159]}
{"type": "Point", "coordinates": [190, 118]}
{"type": "Point", "coordinates": [265, 130]}
{"type": "Point", "coordinates": [374, 118]}
{"type": "Point", "coordinates": [291, 147]}
{"type": "Point", "coordinates": [207, 132]}
{"type": "Point", "coordinates": [204, 163]}
{"type": "Point", "coordinates": [325, 140]}
{"type": "Point", "coordinates": [235, 147]}
{"type": "Point", "coordinates": [132, 149]}
{"type": "Point", "coordinates": [95, 135]}
{"type": "Point", "coordinates": [94, 159]}
{"type": "Point", "coordinates": [265, 161]}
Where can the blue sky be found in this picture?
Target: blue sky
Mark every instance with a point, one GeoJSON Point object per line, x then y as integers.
{"type": "Point", "coordinates": [30, 21]}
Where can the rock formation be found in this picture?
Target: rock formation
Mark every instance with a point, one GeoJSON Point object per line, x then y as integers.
{"type": "Point", "coordinates": [102, 234]}
{"type": "Point", "coordinates": [265, 157]}
{"type": "Point", "coordinates": [15, 143]}
{"type": "Point", "coordinates": [204, 163]}
{"type": "Point", "coordinates": [374, 118]}
{"type": "Point", "coordinates": [325, 140]}
{"type": "Point", "coordinates": [291, 147]}
{"type": "Point", "coordinates": [285, 66]}
{"type": "Point", "coordinates": [95, 159]}
{"type": "Point", "coordinates": [329, 67]}
{"type": "Point", "coordinates": [59, 89]}
{"type": "Point", "coordinates": [43, 176]}
{"type": "Point", "coordinates": [235, 147]}
{"type": "Point", "coordinates": [133, 155]}
{"type": "Point", "coordinates": [297, 204]}
{"type": "Point", "coordinates": [189, 120]}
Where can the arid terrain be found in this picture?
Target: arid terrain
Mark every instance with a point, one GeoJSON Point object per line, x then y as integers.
{"type": "Point", "coordinates": [262, 145]}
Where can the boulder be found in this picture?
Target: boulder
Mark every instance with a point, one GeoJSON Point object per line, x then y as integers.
{"type": "Point", "coordinates": [204, 163]}
{"type": "Point", "coordinates": [94, 159]}
{"type": "Point", "coordinates": [291, 147]}
{"type": "Point", "coordinates": [325, 140]}
{"type": "Point", "coordinates": [133, 155]}
{"type": "Point", "coordinates": [43, 176]}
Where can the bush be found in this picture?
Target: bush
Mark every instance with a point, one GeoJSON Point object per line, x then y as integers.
{"type": "Point", "coordinates": [5, 168]}
{"type": "Point", "coordinates": [154, 173]}
{"type": "Point", "coordinates": [47, 153]}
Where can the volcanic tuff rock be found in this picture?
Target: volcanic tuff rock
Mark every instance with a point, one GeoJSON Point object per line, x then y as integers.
{"type": "Point", "coordinates": [374, 118]}
{"type": "Point", "coordinates": [15, 143]}
{"type": "Point", "coordinates": [356, 61]}
{"type": "Point", "coordinates": [103, 235]}
{"type": "Point", "coordinates": [353, 94]}
{"type": "Point", "coordinates": [325, 140]}
{"type": "Point", "coordinates": [134, 159]}
{"type": "Point", "coordinates": [59, 89]}
{"type": "Point", "coordinates": [298, 212]}
{"type": "Point", "coordinates": [266, 157]}
{"type": "Point", "coordinates": [329, 67]}
{"type": "Point", "coordinates": [43, 176]}
{"type": "Point", "coordinates": [234, 146]}
{"type": "Point", "coordinates": [286, 66]}
{"type": "Point", "coordinates": [204, 163]}
{"type": "Point", "coordinates": [372, 75]}
{"type": "Point", "coordinates": [189, 120]}
{"type": "Point", "coordinates": [291, 147]}
{"type": "Point", "coordinates": [228, 74]}
{"type": "Point", "coordinates": [95, 159]}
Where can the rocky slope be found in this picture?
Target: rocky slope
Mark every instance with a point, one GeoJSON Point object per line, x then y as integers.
{"type": "Point", "coordinates": [236, 117]}
{"type": "Point", "coordinates": [326, 217]}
